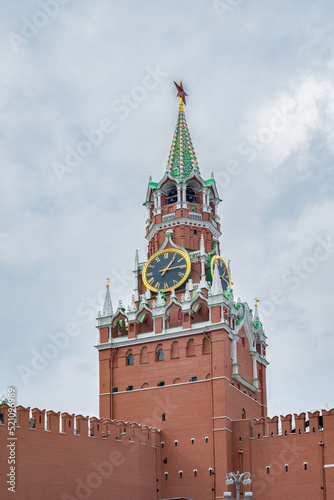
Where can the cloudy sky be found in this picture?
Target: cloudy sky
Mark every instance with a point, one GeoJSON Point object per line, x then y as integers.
{"type": "Point", "coordinates": [88, 110]}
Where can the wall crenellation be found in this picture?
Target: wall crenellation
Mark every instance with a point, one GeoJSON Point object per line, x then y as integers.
{"type": "Point", "coordinates": [79, 425]}
{"type": "Point", "coordinates": [285, 425]}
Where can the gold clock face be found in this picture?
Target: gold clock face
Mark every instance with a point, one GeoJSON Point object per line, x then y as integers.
{"type": "Point", "coordinates": [166, 270]}
{"type": "Point", "coordinates": [223, 271]}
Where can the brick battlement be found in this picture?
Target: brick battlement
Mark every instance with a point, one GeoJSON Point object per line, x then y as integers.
{"type": "Point", "coordinates": [285, 425]}
{"type": "Point", "coordinates": [78, 425]}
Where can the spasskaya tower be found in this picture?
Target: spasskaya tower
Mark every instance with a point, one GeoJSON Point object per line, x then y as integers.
{"type": "Point", "coordinates": [184, 356]}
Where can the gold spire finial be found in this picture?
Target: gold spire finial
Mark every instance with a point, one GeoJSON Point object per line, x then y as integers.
{"type": "Point", "coordinates": [256, 302]}
{"type": "Point", "coordinates": [108, 281]}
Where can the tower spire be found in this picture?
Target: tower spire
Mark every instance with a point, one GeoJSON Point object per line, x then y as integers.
{"type": "Point", "coordinates": [182, 161]}
{"type": "Point", "coordinates": [107, 306]}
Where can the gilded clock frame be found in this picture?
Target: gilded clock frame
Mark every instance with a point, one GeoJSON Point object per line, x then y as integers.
{"type": "Point", "coordinates": [218, 257]}
{"type": "Point", "coordinates": [181, 282]}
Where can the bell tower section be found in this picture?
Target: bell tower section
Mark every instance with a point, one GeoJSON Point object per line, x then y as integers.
{"type": "Point", "coordinates": [182, 200]}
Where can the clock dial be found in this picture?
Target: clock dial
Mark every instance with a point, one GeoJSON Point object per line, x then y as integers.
{"type": "Point", "coordinates": [223, 271]}
{"type": "Point", "coordinates": [166, 270]}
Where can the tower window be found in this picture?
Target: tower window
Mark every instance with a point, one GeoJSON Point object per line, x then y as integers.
{"type": "Point", "coordinates": [129, 359]}
{"type": "Point", "coordinates": [193, 379]}
{"type": "Point", "coordinates": [164, 460]}
{"type": "Point", "coordinates": [162, 444]}
{"type": "Point", "coordinates": [305, 465]}
{"type": "Point", "coordinates": [206, 439]}
{"type": "Point", "coordinates": [195, 231]}
{"type": "Point", "coordinates": [210, 471]}
{"type": "Point", "coordinates": [163, 417]}
{"type": "Point", "coordinates": [286, 468]}
{"type": "Point", "coordinates": [172, 196]}
{"type": "Point", "coordinates": [192, 441]}
{"type": "Point", "coordinates": [161, 383]}
{"type": "Point", "coordinates": [195, 472]}
{"type": "Point", "coordinates": [268, 469]}
{"type": "Point", "coordinates": [160, 355]}
{"type": "Point", "coordinates": [181, 472]}
{"type": "Point", "coordinates": [166, 475]}
{"type": "Point", "coordinates": [129, 387]}
{"type": "Point", "coordinates": [175, 442]}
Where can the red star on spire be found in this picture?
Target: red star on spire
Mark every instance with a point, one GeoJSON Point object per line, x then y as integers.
{"type": "Point", "coordinates": [180, 92]}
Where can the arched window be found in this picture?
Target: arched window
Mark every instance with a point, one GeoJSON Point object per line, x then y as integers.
{"type": "Point", "coordinates": [190, 350]}
{"type": "Point", "coordinates": [160, 353]}
{"type": "Point", "coordinates": [206, 346]}
{"type": "Point", "coordinates": [172, 196]}
{"type": "Point", "coordinates": [181, 472]}
{"type": "Point", "coordinates": [268, 469]}
{"type": "Point", "coordinates": [243, 413]}
{"type": "Point", "coordinates": [195, 472]}
{"type": "Point", "coordinates": [305, 465]}
{"type": "Point", "coordinates": [191, 195]}
{"type": "Point", "coordinates": [143, 355]}
{"type": "Point", "coordinates": [129, 358]}
{"type": "Point", "coordinates": [174, 350]}
{"type": "Point", "coordinates": [286, 468]}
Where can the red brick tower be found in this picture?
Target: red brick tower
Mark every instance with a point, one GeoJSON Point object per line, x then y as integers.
{"type": "Point", "coordinates": [185, 356]}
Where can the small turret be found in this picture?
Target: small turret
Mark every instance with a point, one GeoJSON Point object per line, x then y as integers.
{"type": "Point", "coordinates": [107, 306]}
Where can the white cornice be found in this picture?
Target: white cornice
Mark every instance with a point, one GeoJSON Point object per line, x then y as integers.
{"type": "Point", "coordinates": [170, 333]}
{"type": "Point", "coordinates": [157, 226]}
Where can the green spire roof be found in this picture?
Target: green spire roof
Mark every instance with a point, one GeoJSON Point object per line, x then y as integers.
{"type": "Point", "coordinates": [182, 161]}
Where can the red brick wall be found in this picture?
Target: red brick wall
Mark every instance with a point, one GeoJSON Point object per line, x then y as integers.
{"type": "Point", "coordinates": [67, 466]}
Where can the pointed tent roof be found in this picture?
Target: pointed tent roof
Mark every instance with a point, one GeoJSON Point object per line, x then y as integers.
{"type": "Point", "coordinates": [107, 307]}
{"type": "Point", "coordinates": [182, 161]}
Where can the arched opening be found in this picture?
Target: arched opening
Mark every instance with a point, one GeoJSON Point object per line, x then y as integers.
{"type": "Point", "coordinates": [174, 350]}
{"type": "Point", "coordinates": [206, 345]}
{"type": "Point", "coordinates": [190, 349]}
{"type": "Point", "coordinates": [177, 381]}
{"type": "Point", "coordinates": [201, 312]}
{"type": "Point", "coordinates": [171, 195]}
{"type": "Point", "coordinates": [191, 195]}
{"type": "Point", "coordinates": [175, 317]}
{"type": "Point", "coordinates": [243, 413]}
{"type": "Point", "coordinates": [129, 358]}
{"type": "Point", "coordinates": [145, 323]}
{"type": "Point", "coordinates": [159, 353]}
{"type": "Point", "coordinates": [143, 358]}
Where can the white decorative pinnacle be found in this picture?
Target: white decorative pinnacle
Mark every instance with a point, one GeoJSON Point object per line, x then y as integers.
{"type": "Point", "coordinates": [203, 258]}
{"type": "Point", "coordinates": [202, 248]}
{"type": "Point", "coordinates": [136, 288]}
{"type": "Point", "coordinates": [216, 288]}
{"type": "Point", "coordinates": [133, 303]}
{"type": "Point", "coordinates": [107, 307]}
{"type": "Point", "coordinates": [160, 300]}
{"type": "Point", "coordinates": [256, 314]}
{"type": "Point", "coordinates": [187, 295]}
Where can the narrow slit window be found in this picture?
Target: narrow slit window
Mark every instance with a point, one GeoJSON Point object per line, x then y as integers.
{"type": "Point", "coordinates": [286, 468]}
{"type": "Point", "coordinates": [195, 472]}
{"type": "Point", "coordinates": [181, 473]}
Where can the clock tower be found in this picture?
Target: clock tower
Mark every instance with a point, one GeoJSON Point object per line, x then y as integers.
{"type": "Point", "coordinates": [184, 356]}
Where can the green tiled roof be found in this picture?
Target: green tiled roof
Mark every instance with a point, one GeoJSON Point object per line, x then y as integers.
{"type": "Point", "coordinates": [182, 161]}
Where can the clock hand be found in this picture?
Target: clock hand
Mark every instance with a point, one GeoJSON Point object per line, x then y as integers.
{"type": "Point", "coordinates": [175, 267]}
{"type": "Point", "coordinates": [166, 269]}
